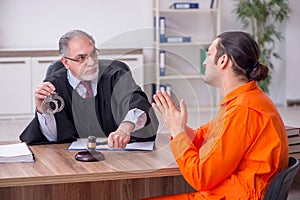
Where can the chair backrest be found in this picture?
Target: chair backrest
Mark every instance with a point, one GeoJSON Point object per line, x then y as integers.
{"type": "Point", "coordinates": [280, 185]}
{"type": "Point", "coordinates": [53, 67]}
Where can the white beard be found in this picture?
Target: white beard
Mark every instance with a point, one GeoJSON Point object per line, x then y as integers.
{"type": "Point", "coordinates": [87, 76]}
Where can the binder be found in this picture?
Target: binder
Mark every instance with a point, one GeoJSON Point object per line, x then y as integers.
{"type": "Point", "coordinates": [162, 87]}
{"type": "Point", "coordinates": [167, 88]}
{"type": "Point", "coordinates": [162, 26]}
{"type": "Point", "coordinates": [162, 62]}
{"type": "Point", "coordinates": [212, 3]}
{"type": "Point", "coordinates": [182, 5]}
{"type": "Point", "coordinates": [175, 39]}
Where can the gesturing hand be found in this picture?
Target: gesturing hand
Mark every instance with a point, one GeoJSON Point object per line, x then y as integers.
{"type": "Point", "coordinates": [41, 92]}
{"type": "Point", "coordinates": [175, 118]}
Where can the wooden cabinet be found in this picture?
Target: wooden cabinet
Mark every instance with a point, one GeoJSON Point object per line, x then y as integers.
{"type": "Point", "coordinates": [134, 61]}
{"type": "Point", "coordinates": [181, 37]}
{"type": "Point", "coordinates": [19, 78]}
{"type": "Point", "coordinates": [15, 86]}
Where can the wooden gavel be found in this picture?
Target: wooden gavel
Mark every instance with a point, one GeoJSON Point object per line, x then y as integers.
{"type": "Point", "coordinates": [91, 155]}
{"type": "Point", "coordinates": [92, 143]}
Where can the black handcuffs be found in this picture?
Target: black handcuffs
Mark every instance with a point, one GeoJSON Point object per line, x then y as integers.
{"type": "Point", "coordinates": [56, 100]}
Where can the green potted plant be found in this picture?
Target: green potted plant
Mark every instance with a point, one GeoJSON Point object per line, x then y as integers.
{"type": "Point", "coordinates": [263, 17]}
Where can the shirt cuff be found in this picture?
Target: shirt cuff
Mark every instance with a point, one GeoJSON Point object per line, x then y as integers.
{"type": "Point", "coordinates": [136, 116]}
{"type": "Point", "coordinates": [48, 126]}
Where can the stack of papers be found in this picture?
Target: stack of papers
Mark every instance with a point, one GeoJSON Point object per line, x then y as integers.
{"type": "Point", "coordinates": [81, 144]}
{"type": "Point", "coordinates": [18, 152]}
{"type": "Point", "coordinates": [293, 134]}
{"type": "Point", "coordinates": [292, 131]}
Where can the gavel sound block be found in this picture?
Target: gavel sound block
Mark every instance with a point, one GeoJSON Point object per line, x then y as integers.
{"type": "Point", "coordinates": [91, 155]}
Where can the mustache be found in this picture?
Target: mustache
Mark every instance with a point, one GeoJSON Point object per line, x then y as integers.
{"type": "Point", "coordinates": [90, 68]}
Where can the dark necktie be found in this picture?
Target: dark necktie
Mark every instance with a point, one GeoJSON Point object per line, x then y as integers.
{"type": "Point", "coordinates": [87, 85]}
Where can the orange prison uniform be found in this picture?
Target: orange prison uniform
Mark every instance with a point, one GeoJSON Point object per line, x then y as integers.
{"type": "Point", "coordinates": [236, 155]}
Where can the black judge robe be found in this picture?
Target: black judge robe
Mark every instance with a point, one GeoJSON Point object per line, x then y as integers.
{"type": "Point", "coordinates": [117, 93]}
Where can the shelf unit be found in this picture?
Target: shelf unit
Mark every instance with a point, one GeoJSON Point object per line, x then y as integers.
{"type": "Point", "coordinates": [183, 60]}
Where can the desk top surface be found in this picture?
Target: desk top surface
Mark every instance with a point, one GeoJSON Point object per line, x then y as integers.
{"type": "Point", "coordinates": [55, 164]}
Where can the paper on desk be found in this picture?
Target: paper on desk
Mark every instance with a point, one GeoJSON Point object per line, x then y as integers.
{"type": "Point", "coordinates": [81, 144]}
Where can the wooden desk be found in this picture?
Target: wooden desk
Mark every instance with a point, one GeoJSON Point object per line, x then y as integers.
{"type": "Point", "coordinates": [122, 175]}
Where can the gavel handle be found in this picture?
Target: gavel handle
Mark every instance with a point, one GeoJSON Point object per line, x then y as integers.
{"type": "Point", "coordinates": [101, 143]}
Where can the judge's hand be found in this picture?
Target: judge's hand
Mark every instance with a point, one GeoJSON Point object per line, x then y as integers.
{"type": "Point", "coordinates": [41, 92]}
{"type": "Point", "coordinates": [174, 118]}
{"type": "Point", "coordinates": [120, 137]}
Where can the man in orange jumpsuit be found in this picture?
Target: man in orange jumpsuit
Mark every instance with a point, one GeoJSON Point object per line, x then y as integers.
{"type": "Point", "coordinates": [238, 153]}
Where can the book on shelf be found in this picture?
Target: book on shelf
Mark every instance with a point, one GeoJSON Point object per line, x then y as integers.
{"type": "Point", "coordinates": [294, 148]}
{"type": "Point", "coordinates": [293, 134]}
{"type": "Point", "coordinates": [294, 140]}
{"type": "Point", "coordinates": [162, 62]}
{"type": "Point", "coordinates": [17, 152]}
{"type": "Point", "coordinates": [175, 39]}
{"type": "Point", "coordinates": [294, 145]}
{"type": "Point", "coordinates": [184, 5]}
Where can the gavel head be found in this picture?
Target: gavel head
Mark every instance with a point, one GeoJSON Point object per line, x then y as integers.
{"type": "Point", "coordinates": [91, 144]}
{"type": "Point", "coordinates": [91, 154]}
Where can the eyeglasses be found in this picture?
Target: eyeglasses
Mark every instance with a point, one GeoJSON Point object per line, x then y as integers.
{"type": "Point", "coordinates": [81, 58]}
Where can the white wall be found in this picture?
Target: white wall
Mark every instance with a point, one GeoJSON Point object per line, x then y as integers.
{"type": "Point", "coordinates": [283, 76]}
{"type": "Point", "coordinates": [34, 24]}
{"type": "Point", "coordinates": [39, 23]}
{"type": "Point", "coordinates": [292, 53]}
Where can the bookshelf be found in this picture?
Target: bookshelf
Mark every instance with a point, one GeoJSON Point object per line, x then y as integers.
{"type": "Point", "coordinates": [183, 35]}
